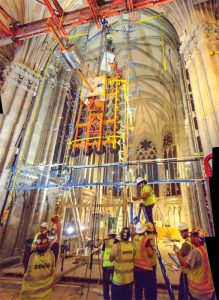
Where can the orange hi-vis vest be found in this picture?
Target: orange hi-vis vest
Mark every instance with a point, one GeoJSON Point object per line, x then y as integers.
{"type": "Point", "coordinates": [151, 237]}
{"type": "Point", "coordinates": [187, 241]}
{"type": "Point", "coordinates": [141, 259]}
{"type": "Point", "coordinates": [39, 276]}
{"type": "Point", "coordinates": [200, 280]}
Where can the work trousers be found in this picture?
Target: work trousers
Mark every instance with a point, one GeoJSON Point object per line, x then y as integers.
{"type": "Point", "coordinates": [183, 287]}
{"type": "Point", "coordinates": [145, 280]}
{"type": "Point", "coordinates": [122, 291]}
{"type": "Point", "coordinates": [107, 272]}
{"type": "Point", "coordinates": [149, 211]}
{"type": "Point", "coordinates": [213, 297]}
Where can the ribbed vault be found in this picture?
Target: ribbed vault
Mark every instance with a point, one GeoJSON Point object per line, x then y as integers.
{"type": "Point", "coordinates": [155, 92]}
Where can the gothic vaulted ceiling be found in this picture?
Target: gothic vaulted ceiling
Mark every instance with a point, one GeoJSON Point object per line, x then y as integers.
{"type": "Point", "coordinates": [153, 54]}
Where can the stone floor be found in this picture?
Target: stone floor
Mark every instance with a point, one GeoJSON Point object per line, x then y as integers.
{"type": "Point", "coordinates": [61, 292]}
{"type": "Point", "coordinates": [11, 279]}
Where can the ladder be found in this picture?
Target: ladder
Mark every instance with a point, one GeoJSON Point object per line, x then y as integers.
{"type": "Point", "coordinates": [160, 260]}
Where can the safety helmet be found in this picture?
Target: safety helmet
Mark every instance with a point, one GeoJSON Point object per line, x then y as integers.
{"type": "Point", "coordinates": [125, 233]}
{"type": "Point", "coordinates": [199, 233]}
{"type": "Point", "coordinates": [140, 227]}
{"type": "Point", "coordinates": [149, 227]}
{"type": "Point", "coordinates": [140, 180]}
{"type": "Point", "coordinates": [42, 242]}
{"type": "Point", "coordinates": [183, 226]}
{"type": "Point", "coordinates": [44, 225]}
{"type": "Point", "coordinates": [112, 232]}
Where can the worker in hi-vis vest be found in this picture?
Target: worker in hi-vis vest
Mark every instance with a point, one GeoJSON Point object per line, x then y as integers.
{"type": "Point", "coordinates": [184, 252]}
{"type": "Point", "coordinates": [40, 268]}
{"type": "Point", "coordinates": [150, 233]}
{"type": "Point", "coordinates": [147, 196]}
{"type": "Point", "coordinates": [107, 265]}
{"type": "Point", "coordinates": [43, 229]}
{"type": "Point", "coordinates": [122, 254]}
{"type": "Point", "coordinates": [144, 260]}
{"type": "Point", "coordinates": [200, 282]}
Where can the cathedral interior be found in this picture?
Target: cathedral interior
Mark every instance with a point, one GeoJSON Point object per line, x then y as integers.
{"type": "Point", "coordinates": [95, 94]}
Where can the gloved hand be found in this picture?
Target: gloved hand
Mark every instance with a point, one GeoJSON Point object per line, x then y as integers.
{"type": "Point", "coordinates": [55, 219]}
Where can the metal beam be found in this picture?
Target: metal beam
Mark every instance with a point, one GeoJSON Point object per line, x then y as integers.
{"type": "Point", "coordinates": [76, 18]}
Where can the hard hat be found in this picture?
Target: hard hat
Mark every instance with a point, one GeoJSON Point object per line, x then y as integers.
{"type": "Point", "coordinates": [140, 180]}
{"type": "Point", "coordinates": [112, 232]}
{"type": "Point", "coordinates": [183, 226]}
{"type": "Point", "coordinates": [150, 227]}
{"type": "Point", "coordinates": [44, 224]}
{"type": "Point", "coordinates": [140, 227]}
{"type": "Point", "coordinates": [42, 242]}
{"type": "Point", "coordinates": [199, 233]}
{"type": "Point", "coordinates": [125, 233]}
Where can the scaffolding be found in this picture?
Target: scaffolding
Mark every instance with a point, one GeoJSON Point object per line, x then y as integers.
{"type": "Point", "coordinates": [65, 177]}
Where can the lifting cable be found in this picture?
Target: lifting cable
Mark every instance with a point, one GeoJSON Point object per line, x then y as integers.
{"type": "Point", "coordinates": [93, 233]}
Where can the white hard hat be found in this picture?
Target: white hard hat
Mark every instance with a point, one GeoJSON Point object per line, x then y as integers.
{"type": "Point", "coordinates": [140, 227]}
{"type": "Point", "coordinates": [139, 180]}
{"type": "Point", "coordinates": [44, 224]}
{"type": "Point", "coordinates": [112, 231]}
{"type": "Point", "coordinates": [183, 226]}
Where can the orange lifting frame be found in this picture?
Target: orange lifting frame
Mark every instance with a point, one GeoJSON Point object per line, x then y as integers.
{"type": "Point", "coordinates": [96, 137]}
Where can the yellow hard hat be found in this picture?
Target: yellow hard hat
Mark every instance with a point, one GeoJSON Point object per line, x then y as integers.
{"type": "Point", "coordinates": [149, 227]}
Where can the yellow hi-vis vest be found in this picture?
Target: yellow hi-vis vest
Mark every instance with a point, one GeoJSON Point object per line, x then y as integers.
{"type": "Point", "coordinates": [200, 280]}
{"type": "Point", "coordinates": [142, 259]}
{"type": "Point", "coordinates": [187, 241]}
{"type": "Point", "coordinates": [107, 251]}
{"type": "Point", "coordinates": [123, 268]}
{"type": "Point", "coordinates": [152, 199]}
{"type": "Point", "coordinates": [38, 278]}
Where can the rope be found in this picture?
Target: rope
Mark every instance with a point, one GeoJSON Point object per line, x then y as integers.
{"type": "Point", "coordinates": [93, 233]}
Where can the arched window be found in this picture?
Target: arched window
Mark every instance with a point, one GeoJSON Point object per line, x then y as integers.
{"type": "Point", "coordinates": [147, 150]}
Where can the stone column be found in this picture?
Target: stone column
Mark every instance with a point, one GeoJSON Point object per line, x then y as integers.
{"type": "Point", "coordinates": [161, 204]}
{"type": "Point", "coordinates": [8, 90]}
{"type": "Point", "coordinates": [203, 82]}
{"type": "Point", "coordinates": [36, 139]}
{"type": "Point", "coordinates": [209, 43]}
{"type": "Point", "coordinates": [24, 84]}
{"type": "Point", "coordinates": [63, 85]}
